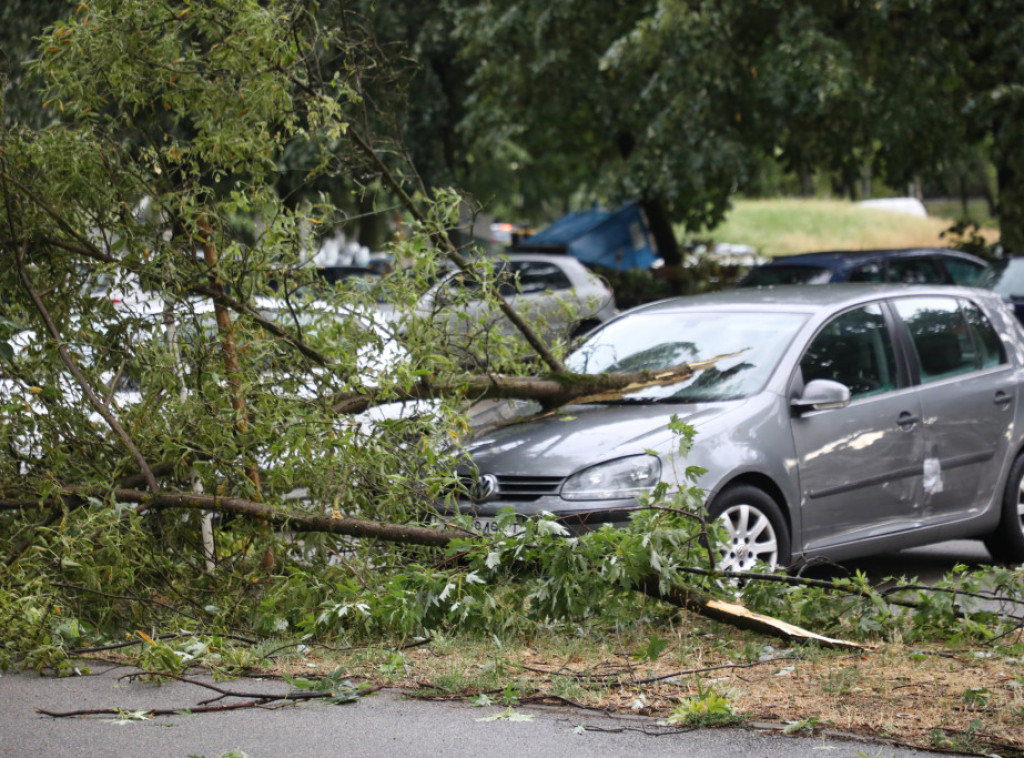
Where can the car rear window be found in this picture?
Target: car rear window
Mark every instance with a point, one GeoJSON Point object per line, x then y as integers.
{"type": "Point", "coordinates": [963, 272]}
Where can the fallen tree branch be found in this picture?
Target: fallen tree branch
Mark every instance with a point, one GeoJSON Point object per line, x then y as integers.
{"type": "Point", "coordinates": [725, 612]}
{"type": "Point", "coordinates": [550, 390]}
{"type": "Point", "coordinates": [616, 678]}
{"type": "Point", "coordinates": [839, 585]}
{"type": "Point", "coordinates": [737, 615]}
{"type": "Point", "coordinates": [730, 613]}
{"type": "Point", "coordinates": [255, 700]}
{"type": "Point", "coordinates": [349, 527]}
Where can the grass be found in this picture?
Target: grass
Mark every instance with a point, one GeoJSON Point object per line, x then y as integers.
{"type": "Point", "coordinates": [939, 696]}
{"type": "Point", "coordinates": [784, 226]}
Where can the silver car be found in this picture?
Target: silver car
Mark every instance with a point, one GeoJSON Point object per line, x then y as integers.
{"type": "Point", "coordinates": [557, 291]}
{"type": "Point", "coordinates": [835, 421]}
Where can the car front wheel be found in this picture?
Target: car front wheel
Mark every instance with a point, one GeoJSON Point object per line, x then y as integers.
{"type": "Point", "coordinates": [1006, 543]}
{"type": "Point", "coordinates": [756, 536]}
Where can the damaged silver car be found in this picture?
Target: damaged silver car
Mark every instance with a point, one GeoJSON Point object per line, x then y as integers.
{"type": "Point", "coordinates": [833, 421]}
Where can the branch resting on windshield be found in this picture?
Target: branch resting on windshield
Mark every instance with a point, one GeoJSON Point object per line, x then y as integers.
{"type": "Point", "coordinates": [550, 390]}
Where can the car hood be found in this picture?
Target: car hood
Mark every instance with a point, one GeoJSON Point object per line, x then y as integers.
{"type": "Point", "coordinates": [576, 436]}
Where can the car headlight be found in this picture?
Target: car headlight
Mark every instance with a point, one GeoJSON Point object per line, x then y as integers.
{"type": "Point", "coordinates": [614, 480]}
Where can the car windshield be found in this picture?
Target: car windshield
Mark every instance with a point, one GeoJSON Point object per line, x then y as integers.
{"type": "Point", "coordinates": [1006, 278]}
{"type": "Point", "coordinates": [763, 276]}
{"type": "Point", "coordinates": [742, 349]}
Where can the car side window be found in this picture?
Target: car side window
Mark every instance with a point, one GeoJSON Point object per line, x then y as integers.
{"type": "Point", "coordinates": [535, 277]}
{"type": "Point", "coordinates": [963, 272]}
{"type": "Point", "coordinates": [868, 272]}
{"type": "Point", "coordinates": [855, 349]}
{"type": "Point", "coordinates": [462, 284]}
{"type": "Point", "coordinates": [991, 351]}
{"type": "Point", "coordinates": [941, 336]}
{"type": "Point", "coordinates": [915, 271]}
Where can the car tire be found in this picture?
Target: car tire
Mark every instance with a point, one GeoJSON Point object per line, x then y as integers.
{"type": "Point", "coordinates": [1006, 543]}
{"type": "Point", "coordinates": [757, 535]}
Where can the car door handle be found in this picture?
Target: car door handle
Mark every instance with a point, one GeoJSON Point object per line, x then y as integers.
{"type": "Point", "coordinates": [1002, 398]}
{"type": "Point", "coordinates": [907, 419]}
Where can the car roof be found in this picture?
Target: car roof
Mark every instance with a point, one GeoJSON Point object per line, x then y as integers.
{"type": "Point", "coordinates": [803, 298]}
{"type": "Point", "coordinates": [537, 257]}
{"type": "Point", "coordinates": [839, 258]}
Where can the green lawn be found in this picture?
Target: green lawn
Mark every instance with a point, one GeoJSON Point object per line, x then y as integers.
{"type": "Point", "coordinates": [778, 227]}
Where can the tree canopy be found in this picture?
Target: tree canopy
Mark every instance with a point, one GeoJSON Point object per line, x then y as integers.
{"type": "Point", "coordinates": [535, 108]}
{"type": "Point", "coordinates": [685, 100]}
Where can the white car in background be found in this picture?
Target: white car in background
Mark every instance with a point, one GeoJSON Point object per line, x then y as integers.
{"type": "Point", "coordinates": [556, 292]}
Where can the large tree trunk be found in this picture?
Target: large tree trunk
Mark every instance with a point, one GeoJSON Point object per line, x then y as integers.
{"type": "Point", "coordinates": [1010, 175]}
{"type": "Point", "coordinates": [661, 229]}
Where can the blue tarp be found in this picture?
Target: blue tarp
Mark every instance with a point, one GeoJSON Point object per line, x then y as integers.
{"type": "Point", "coordinates": [614, 239]}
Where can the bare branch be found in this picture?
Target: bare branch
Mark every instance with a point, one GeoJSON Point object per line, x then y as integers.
{"type": "Point", "coordinates": [65, 357]}
{"type": "Point", "coordinates": [452, 254]}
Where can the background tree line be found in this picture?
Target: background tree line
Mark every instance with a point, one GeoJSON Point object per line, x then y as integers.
{"type": "Point", "coordinates": [534, 108]}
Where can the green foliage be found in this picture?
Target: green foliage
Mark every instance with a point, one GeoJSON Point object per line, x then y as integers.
{"type": "Point", "coordinates": [336, 688]}
{"type": "Point", "coordinates": [967, 236]}
{"type": "Point", "coordinates": [655, 647]}
{"type": "Point", "coordinates": [706, 708]}
{"type": "Point", "coordinates": [976, 697]}
{"type": "Point", "coordinates": [807, 725]}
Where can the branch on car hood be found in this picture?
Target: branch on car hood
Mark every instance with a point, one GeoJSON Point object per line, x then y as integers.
{"type": "Point", "coordinates": [550, 390]}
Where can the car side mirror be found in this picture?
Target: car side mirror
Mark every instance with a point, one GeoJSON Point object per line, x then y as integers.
{"type": "Point", "coordinates": [820, 395]}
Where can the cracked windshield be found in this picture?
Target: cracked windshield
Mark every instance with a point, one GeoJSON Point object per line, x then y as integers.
{"type": "Point", "coordinates": [747, 347]}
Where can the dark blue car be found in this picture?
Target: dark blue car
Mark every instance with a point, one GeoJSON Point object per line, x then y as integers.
{"type": "Point", "coordinates": [921, 265]}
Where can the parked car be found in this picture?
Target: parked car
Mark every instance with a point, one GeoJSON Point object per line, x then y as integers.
{"type": "Point", "coordinates": [1006, 278]}
{"type": "Point", "coordinates": [834, 421]}
{"type": "Point", "coordinates": [557, 290]}
{"type": "Point", "coordinates": [910, 266]}
{"type": "Point", "coordinates": [335, 274]}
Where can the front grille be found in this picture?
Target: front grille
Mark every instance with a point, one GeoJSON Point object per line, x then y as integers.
{"type": "Point", "coordinates": [519, 489]}
{"type": "Point", "coordinates": [527, 488]}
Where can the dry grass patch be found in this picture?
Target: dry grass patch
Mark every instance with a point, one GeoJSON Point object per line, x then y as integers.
{"type": "Point", "coordinates": [786, 226]}
{"type": "Point", "coordinates": [967, 700]}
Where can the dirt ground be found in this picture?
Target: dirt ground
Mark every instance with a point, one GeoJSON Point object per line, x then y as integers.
{"type": "Point", "coordinates": [968, 700]}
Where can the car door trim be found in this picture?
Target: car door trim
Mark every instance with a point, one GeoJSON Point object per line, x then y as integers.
{"type": "Point", "coordinates": [889, 476]}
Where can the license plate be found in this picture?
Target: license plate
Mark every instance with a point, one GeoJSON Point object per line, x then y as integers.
{"type": "Point", "coordinates": [489, 527]}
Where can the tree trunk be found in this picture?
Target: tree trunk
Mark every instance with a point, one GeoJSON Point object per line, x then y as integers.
{"type": "Point", "coordinates": [1011, 200]}
{"type": "Point", "coordinates": [373, 229]}
{"type": "Point", "coordinates": [806, 177]}
{"type": "Point", "coordinates": [661, 228]}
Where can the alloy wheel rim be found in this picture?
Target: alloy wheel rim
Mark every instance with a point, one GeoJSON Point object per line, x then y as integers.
{"type": "Point", "coordinates": [1020, 505]}
{"type": "Point", "coordinates": [751, 539]}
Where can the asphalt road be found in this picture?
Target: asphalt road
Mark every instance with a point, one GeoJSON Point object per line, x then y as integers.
{"type": "Point", "coordinates": [381, 725]}
{"type": "Point", "coordinates": [386, 724]}
{"type": "Point", "coordinates": [928, 563]}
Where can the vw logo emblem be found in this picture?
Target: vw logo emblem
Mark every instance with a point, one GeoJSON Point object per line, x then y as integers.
{"type": "Point", "coordinates": [483, 489]}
